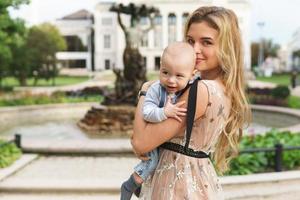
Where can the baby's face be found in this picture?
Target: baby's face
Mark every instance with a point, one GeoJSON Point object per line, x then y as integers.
{"type": "Point", "coordinates": [174, 76]}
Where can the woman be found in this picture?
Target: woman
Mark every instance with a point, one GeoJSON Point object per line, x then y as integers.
{"type": "Point", "coordinates": [221, 112]}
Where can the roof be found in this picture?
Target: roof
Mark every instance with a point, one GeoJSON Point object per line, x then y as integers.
{"type": "Point", "coordinates": [80, 14]}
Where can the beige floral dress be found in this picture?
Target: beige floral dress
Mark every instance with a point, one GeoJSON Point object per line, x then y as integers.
{"type": "Point", "coordinates": [180, 177]}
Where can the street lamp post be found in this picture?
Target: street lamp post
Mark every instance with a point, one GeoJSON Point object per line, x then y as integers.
{"type": "Point", "coordinates": [261, 48]}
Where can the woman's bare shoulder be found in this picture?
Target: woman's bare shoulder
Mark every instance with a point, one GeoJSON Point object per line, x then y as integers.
{"type": "Point", "coordinates": [202, 99]}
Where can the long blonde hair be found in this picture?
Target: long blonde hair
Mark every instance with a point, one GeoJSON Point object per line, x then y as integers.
{"type": "Point", "coordinates": [231, 60]}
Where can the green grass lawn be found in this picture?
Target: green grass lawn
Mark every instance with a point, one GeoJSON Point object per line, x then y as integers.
{"type": "Point", "coordinates": [280, 79]}
{"type": "Point", "coordinates": [44, 99]}
{"type": "Point", "coordinates": [294, 102]}
{"type": "Point", "coordinates": [59, 81]}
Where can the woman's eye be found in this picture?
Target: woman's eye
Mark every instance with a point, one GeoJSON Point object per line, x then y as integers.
{"type": "Point", "coordinates": [206, 43]}
{"type": "Point", "coordinates": [190, 41]}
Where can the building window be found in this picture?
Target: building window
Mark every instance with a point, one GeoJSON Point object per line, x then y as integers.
{"type": "Point", "coordinates": [74, 43]}
{"type": "Point", "coordinates": [143, 21]}
{"type": "Point", "coordinates": [172, 28]}
{"type": "Point", "coordinates": [184, 18]}
{"type": "Point", "coordinates": [158, 20]}
{"type": "Point", "coordinates": [158, 31]}
{"type": "Point", "coordinates": [144, 40]}
{"type": "Point", "coordinates": [74, 63]}
{"type": "Point", "coordinates": [106, 21]}
{"type": "Point", "coordinates": [107, 64]}
{"type": "Point", "coordinates": [106, 41]}
{"type": "Point", "coordinates": [145, 61]}
{"type": "Point", "coordinates": [157, 63]}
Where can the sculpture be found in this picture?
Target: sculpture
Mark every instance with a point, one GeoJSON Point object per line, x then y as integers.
{"type": "Point", "coordinates": [129, 81]}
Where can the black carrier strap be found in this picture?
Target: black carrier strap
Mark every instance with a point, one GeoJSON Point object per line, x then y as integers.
{"type": "Point", "coordinates": [191, 109]}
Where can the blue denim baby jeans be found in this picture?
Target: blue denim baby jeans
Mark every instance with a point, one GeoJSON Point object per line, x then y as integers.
{"type": "Point", "coordinates": [145, 168]}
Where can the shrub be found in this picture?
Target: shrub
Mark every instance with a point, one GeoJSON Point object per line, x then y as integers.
{"type": "Point", "coordinates": [8, 154]}
{"type": "Point", "coordinates": [249, 163]}
{"type": "Point", "coordinates": [280, 92]}
{"type": "Point", "coordinates": [58, 97]}
{"type": "Point", "coordinates": [277, 96]}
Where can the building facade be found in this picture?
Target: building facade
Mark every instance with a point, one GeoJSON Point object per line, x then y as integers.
{"type": "Point", "coordinates": [293, 62]}
{"type": "Point", "coordinates": [109, 38]}
{"type": "Point", "coordinates": [77, 29]}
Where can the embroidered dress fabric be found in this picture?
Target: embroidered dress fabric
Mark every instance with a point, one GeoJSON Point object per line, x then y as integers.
{"type": "Point", "coordinates": [180, 177]}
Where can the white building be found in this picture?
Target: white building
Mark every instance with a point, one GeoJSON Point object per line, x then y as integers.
{"type": "Point", "coordinates": [293, 46]}
{"type": "Point", "coordinates": [77, 29]}
{"type": "Point", "coordinates": [169, 25]}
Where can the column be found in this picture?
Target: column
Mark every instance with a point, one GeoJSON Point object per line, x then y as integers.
{"type": "Point", "coordinates": [179, 26]}
{"type": "Point", "coordinates": [88, 62]}
{"type": "Point", "coordinates": [165, 29]}
{"type": "Point", "coordinates": [151, 39]}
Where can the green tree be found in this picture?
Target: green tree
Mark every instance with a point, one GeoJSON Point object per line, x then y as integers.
{"type": "Point", "coordinates": [254, 54]}
{"type": "Point", "coordinates": [270, 49]}
{"type": "Point", "coordinates": [19, 66]}
{"type": "Point", "coordinates": [43, 42]}
{"type": "Point", "coordinates": [9, 30]}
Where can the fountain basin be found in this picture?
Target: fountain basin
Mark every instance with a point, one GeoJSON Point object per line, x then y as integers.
{"type": "Point", "coordinates": [59, 120]}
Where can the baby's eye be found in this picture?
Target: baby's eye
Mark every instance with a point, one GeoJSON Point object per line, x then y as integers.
{"type": "Point", "coordinates": [165, 72]}
{"type": "Point", "coordinates": [180, 76]}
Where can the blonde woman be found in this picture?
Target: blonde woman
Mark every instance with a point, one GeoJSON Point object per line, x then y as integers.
{"type": "Point", "coordinates": [220, 114]}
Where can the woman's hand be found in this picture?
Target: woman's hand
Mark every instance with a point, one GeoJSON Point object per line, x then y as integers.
{"type": "Point", "coordinates": [139, 156]}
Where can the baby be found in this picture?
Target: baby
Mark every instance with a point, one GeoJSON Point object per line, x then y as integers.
{"type": "Point", "coordinates": [176, 70]}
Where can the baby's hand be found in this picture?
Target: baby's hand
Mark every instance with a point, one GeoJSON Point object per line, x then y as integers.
{"type": "Point", "coordinates": [174, 110]}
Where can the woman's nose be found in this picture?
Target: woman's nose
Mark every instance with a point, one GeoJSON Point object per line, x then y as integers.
{"type": "Point", "coordinates": [197, 48]}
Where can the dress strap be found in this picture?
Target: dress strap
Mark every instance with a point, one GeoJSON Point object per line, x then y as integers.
{"type": "Point", "coordinates": [191, 109]}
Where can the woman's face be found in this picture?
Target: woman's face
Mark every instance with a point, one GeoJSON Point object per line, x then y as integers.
{"type": "Point", "coordinates": [204, 40]}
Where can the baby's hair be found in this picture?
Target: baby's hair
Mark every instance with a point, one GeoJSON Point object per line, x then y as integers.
{"type": "Point", "coordinates": [179, 51]}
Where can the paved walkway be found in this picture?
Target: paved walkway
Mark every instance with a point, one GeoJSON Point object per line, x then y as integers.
{"type": "Point", "coordinates": [296, 91]}
{"type": "Point", "coordinates": [89, 178]}
{"type": "Point", "coordinates": [69, 178]}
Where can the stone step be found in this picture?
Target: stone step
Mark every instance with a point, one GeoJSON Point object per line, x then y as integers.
{"type": "Point", "coordinates": [262, 186]}
{"type": "Point", "coordinates": [49, 196]}
{"type": "Point", "coordinates": [75, 146]}
{"type": "Point", "coordinates": [70, 174]}
{"type": "Point", "coordinates": [96, 176]}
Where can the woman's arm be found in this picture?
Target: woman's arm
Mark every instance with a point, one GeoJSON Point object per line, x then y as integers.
{"type": "Point", "coordinates": [148, 136]}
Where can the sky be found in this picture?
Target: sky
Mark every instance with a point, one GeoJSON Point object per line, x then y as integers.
{"type": "Point", "coordinates": [280, 17]}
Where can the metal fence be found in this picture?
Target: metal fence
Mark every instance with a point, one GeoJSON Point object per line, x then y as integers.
{"type": "Point", "coordinates": [278, 149]}
{"type": "Point", "coordinates": [16, 140]}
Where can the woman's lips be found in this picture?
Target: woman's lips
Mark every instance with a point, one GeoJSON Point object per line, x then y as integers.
{"type": "Point", "coordinates": [199, 60]}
